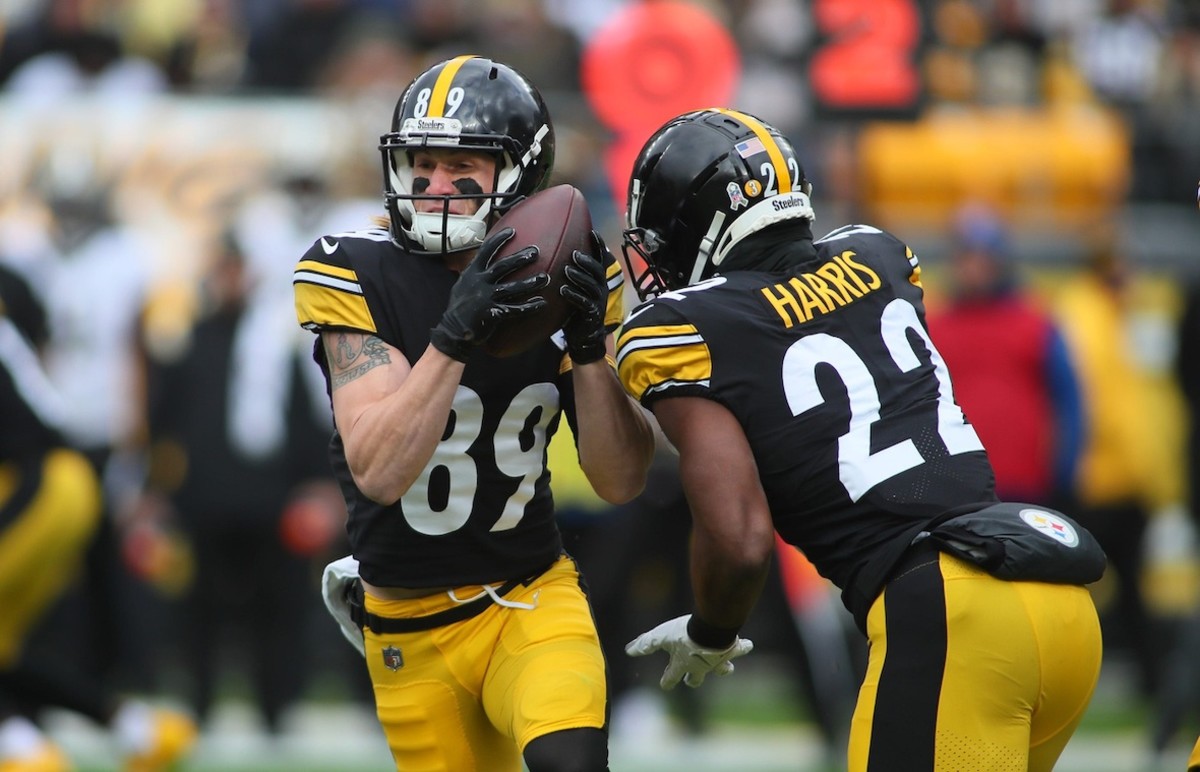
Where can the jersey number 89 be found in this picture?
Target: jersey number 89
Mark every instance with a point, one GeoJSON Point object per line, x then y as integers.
{"type": "Point", "coordinates": [519, 446]}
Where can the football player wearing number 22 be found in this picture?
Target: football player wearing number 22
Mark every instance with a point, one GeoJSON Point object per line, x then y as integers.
{"type": "Point", "coordinates": [798, 383]}
{"type": "Point", "coordinates": [477, 634]}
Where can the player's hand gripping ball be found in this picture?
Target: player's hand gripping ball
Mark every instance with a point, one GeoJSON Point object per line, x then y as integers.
{"type": "Point", "coordinates": [485, 295]}
{"type": "Point", "coordinates": [556, 221]}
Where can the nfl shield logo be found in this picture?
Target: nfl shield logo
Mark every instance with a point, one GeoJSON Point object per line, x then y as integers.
{"type": "Point", "coordinates": [392, 658]}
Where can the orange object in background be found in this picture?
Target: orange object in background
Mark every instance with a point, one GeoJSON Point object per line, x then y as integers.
{"type": "Point", "coordinates": [159, 556]}
{"type": "Point", "coordinates": [651, 62]}
{"type": "Point", "coordinates": [801, 582]}
{"type": "Point", "coordinates": [867, 60]}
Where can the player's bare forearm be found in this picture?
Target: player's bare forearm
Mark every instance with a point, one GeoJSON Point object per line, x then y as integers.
{"type": "Point", "coordinates": [390, 416]}
{"type": "Point", "coordinates": [728, 570]}
{"type": "Point", "coordinates": [616, 439]}
{"type": "Point", "coordinates": [733, 536]}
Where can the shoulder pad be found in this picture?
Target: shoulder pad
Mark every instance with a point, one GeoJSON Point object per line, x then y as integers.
{"type": "Point", "coordinates": [659, 350]}
{"type": "Point", "coordinates": [327, 290]}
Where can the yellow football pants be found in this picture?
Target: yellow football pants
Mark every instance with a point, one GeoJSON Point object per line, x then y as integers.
{"type": "Point", "coordinates": [970, 672]}
{"type": "Point", "coordinates": [469, 696]}
{"type": "Point", "coordinates": [42, 548]}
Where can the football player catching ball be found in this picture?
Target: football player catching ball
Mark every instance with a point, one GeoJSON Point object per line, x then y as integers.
{"type": "Point", "coordinates": [477, 633]}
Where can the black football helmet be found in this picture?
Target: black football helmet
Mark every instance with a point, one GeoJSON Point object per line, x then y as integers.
{"type": "Point", "coordinates": [702, 183]}
{"type": "Point", "coordinates": [465, 103]}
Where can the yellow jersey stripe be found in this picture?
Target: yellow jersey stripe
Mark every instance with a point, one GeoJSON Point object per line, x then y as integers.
{"type": "Point", "coordinates": [654, 358]}
{"type": "Point", "coordinates": [317, 266]}
{"type": "Point", "coordinates": [636, 335]}
{"type": "Point", "coordinates": [437, 100]}
{"type": "Point", "coordinates": [773, 152]}
{"type": "Point", "coordinates": [319, 306]}
{"type": "Point", "coordinates": [646, 371]}
{"type": "Point", "coordinates": [915, 277]}
{"type": "Point", "coordinates": [614, 312]}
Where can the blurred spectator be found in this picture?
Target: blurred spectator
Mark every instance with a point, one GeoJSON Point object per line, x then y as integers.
{"type": "Point", "coordinates": [371, 62]}
{"type": "Point", "coordinates": [92, 273]}
{"type": "Point", "coordinates": [520, 33]}
{"type": "Point", "coordinates": [1179, 697]}
{"type": "Point", "coordinates": [1187, 372]}
{"type": "Point", "coordinates": [1167, 145]}
{"type": "Point", "coordinates": [1119, 51]}
{"type": "Point", "coordinates": [21, 306]}
{"type": "Point", "coordinates": [582, 17]}
{"type": "Point", "coordinates": [1013, 375]}
{"type": "Point", "coordinates": [284, 217]}
{"type": "Point", "coordinates": [441, 28]}
{"type": "Point", "coordinates": [200, 45]}
{"type": "Point", "coordinates": [50, 503]}
{"type": "Point", "coordinates": [1116, 468]}
{"type": "Point", "coordinates": [773, 38]}
{"type": "Point", "coordinates": [66, 49]}
{"type": "Point", "coordinates": [1121, 55]}
{"type": "Point", "coordinates": [290, 54]}
{"type": "Point", "coordinates": [238, 465]}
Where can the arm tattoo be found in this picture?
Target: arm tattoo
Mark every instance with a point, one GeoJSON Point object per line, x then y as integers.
{"type": "Point", "coordinates": [351, 356]}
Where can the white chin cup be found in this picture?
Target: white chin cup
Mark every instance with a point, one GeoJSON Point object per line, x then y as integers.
{"type": "Point", "coordinates": [462, 231]}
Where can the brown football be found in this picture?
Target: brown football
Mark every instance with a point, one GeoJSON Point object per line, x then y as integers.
{"type": "Point", "coordinates": [557, 221]}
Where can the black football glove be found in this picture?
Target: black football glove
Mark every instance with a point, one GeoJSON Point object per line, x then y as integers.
{"type": "Point", "coordinates": [586, 288]}
{"type": "Point", "coordinates": [481, 299]}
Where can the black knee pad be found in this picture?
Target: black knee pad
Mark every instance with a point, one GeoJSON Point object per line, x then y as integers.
{"type": "Point", "coordinates": [571, 750]}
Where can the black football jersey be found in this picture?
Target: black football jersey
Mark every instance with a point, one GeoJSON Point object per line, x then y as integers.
{"type": "Point", "coordinates": [846, 403]}
{"type": "Point", "coordinates": [482, 510]}
{"type": "Point", "coordinates": [29, 414]}
{"type": "Point", "coordinates": [29, 409]}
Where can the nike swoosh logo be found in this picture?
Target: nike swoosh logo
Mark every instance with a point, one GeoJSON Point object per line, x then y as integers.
{"type": "Point", "coordinates": [637, 312]}
{"type": "Point", "coordinates": [329, 247]}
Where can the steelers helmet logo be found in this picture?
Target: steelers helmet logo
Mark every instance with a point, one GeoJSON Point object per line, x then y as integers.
{"type": "Point", "coordinates": [1050, 524]}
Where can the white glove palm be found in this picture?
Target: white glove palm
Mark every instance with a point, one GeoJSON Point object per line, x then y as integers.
{"type": "Point", "coordinates": [689, 661]}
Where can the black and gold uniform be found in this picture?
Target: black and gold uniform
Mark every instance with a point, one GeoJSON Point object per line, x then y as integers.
{"type": "Point", "coordinates": [477, 631]}
{"type": "Point", "coordinates": [482, 512]}
{"type": "Point", "coordinates": [456, 695]}
{"type": "Point", "coordinates": [847, 442]}
{"type": "Point", "coordinates": [49, 494]}
{"type": "Point", "coordinates": [848, 407]}
{"type": "Point", "coordinates": [849, 411]}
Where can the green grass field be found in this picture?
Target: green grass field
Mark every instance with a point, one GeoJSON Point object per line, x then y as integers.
{"type": "Point", "coordinates": [755, 725]}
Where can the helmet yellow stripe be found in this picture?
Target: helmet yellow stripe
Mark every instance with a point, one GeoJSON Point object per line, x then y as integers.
{"type": "Point", "coordinates": [773, 151]}
{"type": "Point", "coordinates": [437, 100]}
